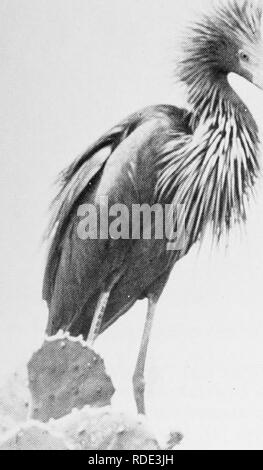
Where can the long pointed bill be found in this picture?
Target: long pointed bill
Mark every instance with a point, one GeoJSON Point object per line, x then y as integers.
{"type": "Point", "coordinates": [258, 80]}
{"type": "Point", "coordinates": [250, 93]}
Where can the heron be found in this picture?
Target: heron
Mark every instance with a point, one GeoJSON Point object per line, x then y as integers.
{"type": "Point", "coordinates": [204, 158]}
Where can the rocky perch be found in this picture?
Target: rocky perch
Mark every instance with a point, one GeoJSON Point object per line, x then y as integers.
{"type": "Point", "coordinates": [62, 401]}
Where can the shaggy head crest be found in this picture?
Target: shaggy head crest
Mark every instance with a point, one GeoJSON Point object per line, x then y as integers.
{"type": "Point", "coordinates": [229, 40]}
{"type": "Point", "coordinates": [243, 21]}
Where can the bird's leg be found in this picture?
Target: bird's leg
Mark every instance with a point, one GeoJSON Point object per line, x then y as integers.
{"type": "Point", "coordinates": [138, 377]}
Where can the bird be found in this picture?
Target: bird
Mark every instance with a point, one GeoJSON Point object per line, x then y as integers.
{"type": "Point", "coordinates": [204, 158]}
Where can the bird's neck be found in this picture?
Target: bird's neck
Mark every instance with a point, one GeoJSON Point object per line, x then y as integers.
{"type": "Point", "coordinates": [215, 98]}
{"type": "Point", "coordinates": [211, 170]}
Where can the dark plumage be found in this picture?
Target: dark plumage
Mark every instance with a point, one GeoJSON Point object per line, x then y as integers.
{"type": "Point", "coordinates": [205, 158]}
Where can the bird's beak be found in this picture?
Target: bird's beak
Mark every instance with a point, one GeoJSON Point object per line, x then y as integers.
{"type": "Point", "coordinates": [257, 79]}
{"type": "Point", "coordinates": [257, 72]}
{"type": "Point", "coordinates": [250, 93]}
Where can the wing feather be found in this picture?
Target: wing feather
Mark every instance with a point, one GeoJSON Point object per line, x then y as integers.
{"type": "Point", "coordinates": [73, 181]}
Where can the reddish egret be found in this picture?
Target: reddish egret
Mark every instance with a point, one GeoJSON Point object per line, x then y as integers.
{"type": "Point", "coordinates": [204, 158]}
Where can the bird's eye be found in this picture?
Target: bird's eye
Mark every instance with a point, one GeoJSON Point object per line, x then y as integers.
{"type": "Point", "coordinates": [244, 56]}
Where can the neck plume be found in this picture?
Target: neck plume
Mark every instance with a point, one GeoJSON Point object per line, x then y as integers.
{"type": "Point", "coordinates": [211, 171]}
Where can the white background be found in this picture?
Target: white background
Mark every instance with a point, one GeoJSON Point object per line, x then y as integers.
{"type": "Point", "coordinates": [70, 69]}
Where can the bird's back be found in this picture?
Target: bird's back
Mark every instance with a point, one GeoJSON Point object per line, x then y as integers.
{"type": "Point", "coordinates": [121, 168]}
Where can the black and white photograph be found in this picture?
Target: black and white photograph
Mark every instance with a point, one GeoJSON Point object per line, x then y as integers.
{"type": "Point", "coordinates": [131, 235]}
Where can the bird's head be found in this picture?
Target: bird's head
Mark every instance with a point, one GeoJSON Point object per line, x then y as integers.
{"type": "Point", "coordinates": [242, 46]}
{"type": "Point", "coordinates": [227, 41]}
